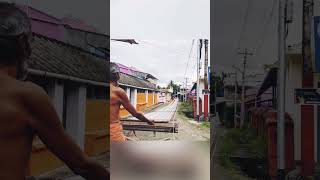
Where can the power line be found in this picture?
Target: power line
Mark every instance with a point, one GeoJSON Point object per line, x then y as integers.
{"type": "Point", "coordinates": [244, 24]}
{"type": "Point", "coordinates": [189, 58]}
{"type": "Point", "coordinates": [265, 28]}
{"type": "Point", "coordinates": [164, 48]}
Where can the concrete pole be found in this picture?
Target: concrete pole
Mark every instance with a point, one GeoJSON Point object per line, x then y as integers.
{"type": "Point", "coordinates": [281, 92]}
{"type": "Point", "coordinates": [198, 78]}
{"type": "Point", "coordinates": [235, 99]}
{"type": "Point", "coordinates": [243, 89]}
{"type": "Point", "coordinates": [215, 98]}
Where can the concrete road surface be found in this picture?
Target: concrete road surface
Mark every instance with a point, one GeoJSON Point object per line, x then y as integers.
{"type": "Point", "coordinates": [165, 113]}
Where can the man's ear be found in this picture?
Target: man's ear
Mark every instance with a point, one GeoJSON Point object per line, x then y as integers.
{"type": "Point", "coordinates": [25, 45]}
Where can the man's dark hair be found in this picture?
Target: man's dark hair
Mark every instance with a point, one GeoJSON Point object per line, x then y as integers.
{"type": "Point", "coordinates": [114, 77]}
{"type": "Point", "coordinates": [114, 72]}
{"type": "Point", "coordinates": [15, 33]}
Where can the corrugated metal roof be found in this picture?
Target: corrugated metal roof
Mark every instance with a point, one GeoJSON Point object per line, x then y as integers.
{"type": "Point", "coordinates": [134, 81]}
{"type": "Point", "coordinates": [56, 57]}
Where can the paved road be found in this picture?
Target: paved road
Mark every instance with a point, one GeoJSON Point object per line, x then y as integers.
{"type": "Point", "coordinates": [165, 113]}
{"type": "Point", "coordinates": [188, 129]}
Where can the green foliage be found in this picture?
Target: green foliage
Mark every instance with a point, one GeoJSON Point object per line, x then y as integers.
{"type": "Point", "coordinates": [186, 108]}
{"type": "Point", "coordinates": [235, 138]}
{"type": "Point", "coordinates": [174, 86]}
{"type": "Point", "coordinates": [205, 125]}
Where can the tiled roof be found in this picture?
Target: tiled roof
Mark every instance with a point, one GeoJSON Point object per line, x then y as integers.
{"type": "Point", "coordinates": [134, 81]}
{"type": "Point", "coordinates": [53, 56]}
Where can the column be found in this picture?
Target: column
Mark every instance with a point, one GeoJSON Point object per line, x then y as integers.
{"type": "Point", "coordinates": [133, 95]}
{"type": "Point", "coordinates": [146, 93]}
{"type": "Point", "coordinates": [128, 92]}
{"type": "Point", "coordinates": [55, 91]}
{"type": "Point", "coordinates": [76, 111]}
{"type": "Point", "coordinates": [153, 100]}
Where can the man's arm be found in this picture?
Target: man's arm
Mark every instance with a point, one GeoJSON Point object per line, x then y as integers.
{"type": "Point", "coordinates": [128, 106]}
{"type": "Point", "coordinates": [47, 126]}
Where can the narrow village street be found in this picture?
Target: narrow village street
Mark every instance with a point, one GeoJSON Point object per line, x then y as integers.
{"type": "Point", "coordinates": [188, 129]}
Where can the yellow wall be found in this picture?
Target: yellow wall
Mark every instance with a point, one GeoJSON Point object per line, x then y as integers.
{"type": "Point", "coordinates": [42, 160]}
{"type": "Point", "coordinates": [96, 139]}
{"type": "Point", "coordinates": [141, 101]}
{"type": "Point", "coordinates": [97, 127]}
{"type": "Point", "coordinates": [150, 99]}
{"type": "Point", "coordinates": [155, 98]}
{"type": "Point", "coordinates": [123, 112]}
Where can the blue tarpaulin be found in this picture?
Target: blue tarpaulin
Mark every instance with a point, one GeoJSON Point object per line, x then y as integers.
{"type": "Point", "coordinates": [317, 43]}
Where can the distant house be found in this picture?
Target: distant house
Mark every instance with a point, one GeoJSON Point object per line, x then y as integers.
{"type": "Point", "coordinates": [140, 87]}
{"type": "Point", "coordinates": [203, 95]}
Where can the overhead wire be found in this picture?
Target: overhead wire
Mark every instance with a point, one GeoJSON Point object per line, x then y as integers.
{"type": "Point", "coordinates": [265, 29]}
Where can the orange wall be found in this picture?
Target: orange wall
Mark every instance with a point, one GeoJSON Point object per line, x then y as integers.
{"type": "Point", "coordinates": [123, 112]}
{"type": "Point", "coordinates": [141, 101]}
{"type": "Point", "coordinates": [150, 99]}
{"type": "Point", "coordinates": [97, 127]}
{"type": "Point", "coordinates": [155, 98]}
{"type": "Point", "coordinates": [96, 139]}
{"type": "Point", "coordinates": [42, 160]}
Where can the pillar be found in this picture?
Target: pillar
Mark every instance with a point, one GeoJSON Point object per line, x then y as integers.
{"type": "Point", "coordinates": [128, 92]}
{"type": "Point", "coordinates": [76, 111]}
{"type": "Point", "coordinates": [133, 97]}
{"type": "Point", "coordinates": [153, 99]}
{"type": "Point", "coordinates": [55, 91]}
{"type": "Point", "coordinates": [146, 93]}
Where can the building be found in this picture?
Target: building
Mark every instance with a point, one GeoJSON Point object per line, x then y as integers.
{"type": "Point", "coordinates": [204, 96]}
{"type": "Point", "coordinates": [304, 118]}
{"type": "Point", "coordinates": [141, 89]}
{"type": "Point", "coordinates": [76, 81]}
{"type": "Point", "coordinates": [71, 64]}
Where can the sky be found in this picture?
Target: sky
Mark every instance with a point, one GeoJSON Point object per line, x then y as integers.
{"type": "Point", "coordinates": [258, 33]}
{"type": "Point", "coordinates": [164, 30]}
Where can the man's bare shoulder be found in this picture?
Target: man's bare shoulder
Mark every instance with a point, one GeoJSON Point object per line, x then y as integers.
{"type": "Point", "coordinates": [119, 91]}
{"type": "Point", "coordinates": [30, 91]}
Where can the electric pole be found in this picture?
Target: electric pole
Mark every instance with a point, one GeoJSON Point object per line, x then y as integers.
{"type": "Point", "coordinates": [185, 90]}
{"type": "Point", "coordinates": [235, 98]}
{"type": "Point", "coordinates": [245, 54]}
{"type": "Point", "coordinates": [198, 77]}
{"type": "Point", "coordinates": [307, 82]}
{"type": "Point", "coordinates": [281, 91]}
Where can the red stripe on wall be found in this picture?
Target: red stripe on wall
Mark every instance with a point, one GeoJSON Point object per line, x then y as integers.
{"type": "Point", "coordinates": [307, 139]}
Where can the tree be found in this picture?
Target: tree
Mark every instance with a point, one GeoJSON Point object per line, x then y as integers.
{"type": "Point", "coordinates": [175, 87]}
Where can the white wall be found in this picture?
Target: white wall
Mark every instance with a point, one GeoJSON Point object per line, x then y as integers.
{"type": "Point", "coordinates": [294, 80]}
{"type": "Point", "coordinates": [55, 91]}
{"type": "Point", "coordinates": [76, 111]}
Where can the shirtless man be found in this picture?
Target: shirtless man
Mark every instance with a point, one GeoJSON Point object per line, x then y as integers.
{"type": "Point", "coordinates": [26, 110]}
{"type": "Point", "coordinates": [119, 97]}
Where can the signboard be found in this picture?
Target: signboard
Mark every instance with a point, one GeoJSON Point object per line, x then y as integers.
{"type": "Point", "coordinates": [316, 32]}
{"type": "Point", "coordinates": [307, 96]}
{"type": "Point", "coordinates": [205, 91]}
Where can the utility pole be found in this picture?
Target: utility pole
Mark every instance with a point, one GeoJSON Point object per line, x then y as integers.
{"type": "Point", "coordinates": [281, 91]}
{"type": "Point", "coordinates": [307, 82]}
{"type": "Point", "coordinates": [235, 98]}
{"type": "Point", "coordinates": [206, 101]}
{"type": "Point", "coordinates": [198, 77]}
{"type": "Point", "coordinates": [245, 54]}
{"type": "Point", "coordinates": [185, 90]}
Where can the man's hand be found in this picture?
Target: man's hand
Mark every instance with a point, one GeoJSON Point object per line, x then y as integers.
{"type": "Point", "coordinates": [150, 122]}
